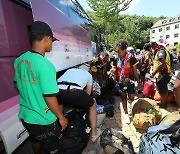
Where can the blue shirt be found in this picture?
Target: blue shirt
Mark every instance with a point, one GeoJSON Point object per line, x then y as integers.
{"type": "Point", "coordinates": [78, 76]}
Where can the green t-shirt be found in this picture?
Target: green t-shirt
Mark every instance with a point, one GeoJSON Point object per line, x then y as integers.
{"type": "Point", "coordinates": [35, 77]}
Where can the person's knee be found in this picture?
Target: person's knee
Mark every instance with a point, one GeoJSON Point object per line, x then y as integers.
{"type": "Point", "coordinates": [176, 85]}
{"type": "Point", "coordinates": [94, 103]}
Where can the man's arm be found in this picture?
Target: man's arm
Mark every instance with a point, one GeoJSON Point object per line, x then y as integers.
{"type": "Point", "coordinates": [54, 107]}
{"type": "Point", "coordinates": [137, 76]}
{"type": "Point", "coordinates": [135, 73]}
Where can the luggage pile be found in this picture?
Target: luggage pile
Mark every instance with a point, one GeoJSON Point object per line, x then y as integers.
{"type": "Point", "coordinates": [145, 113]}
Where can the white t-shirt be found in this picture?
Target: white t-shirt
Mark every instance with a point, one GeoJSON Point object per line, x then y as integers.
{"type": "Point", "coordinates": [75, 75]}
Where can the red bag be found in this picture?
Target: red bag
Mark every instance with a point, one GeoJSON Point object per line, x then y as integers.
{"type": "Point", "coordinates": [148, 90]}
{"type": "Point", "coordinates": [170, 98]}
{"type": "Point", "coordinates": [157, 96]}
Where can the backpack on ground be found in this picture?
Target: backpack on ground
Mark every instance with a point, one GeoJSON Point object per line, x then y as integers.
{"type": "Point", "coordinates": [145, 113]}
{"type": "Point", "coordinates": [108, 105]}
{"type": "Point", "coordinates": [148, 89]}
{"type": "Point", "coordinates": [75, 138]}
{"type": "Point", "coordinates": [170, 98]}
{"type": "Point", "coordinates": [169, 119]}
{"type": "Point", "coordinates": [113, 138]}
{"type": "Point", "coordinates": [165, 141]}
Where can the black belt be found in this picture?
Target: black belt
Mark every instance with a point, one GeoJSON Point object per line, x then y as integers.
{"type": "Point", "coordinates": [68, 84]}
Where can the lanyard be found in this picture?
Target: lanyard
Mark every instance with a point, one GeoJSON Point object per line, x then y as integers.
{"type": "Point", "coordinates": [123, 63]}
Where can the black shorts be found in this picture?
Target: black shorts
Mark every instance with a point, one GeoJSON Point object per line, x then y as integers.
{"type": "Point", "coordinates": [130, 89]}
{"type": "Point", "coordinates": [77, 98]}
{"type": "Point", "coordinates": [162, 82]}
{"type": "Point", "coordinates": [143, 73]}
{"type": "Point", "coordinates": [49, 136]}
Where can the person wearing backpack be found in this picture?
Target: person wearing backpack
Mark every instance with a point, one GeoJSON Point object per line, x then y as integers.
{"type": "Point", "coordinates": [146, 61]}
{"type": "Point", "coordinates": [127, 71]}
{"type": "Point", "coordinates": [162, 69]}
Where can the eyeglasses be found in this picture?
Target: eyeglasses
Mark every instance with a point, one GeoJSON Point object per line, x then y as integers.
{"type": "Point", "coordinates": [119, 44]}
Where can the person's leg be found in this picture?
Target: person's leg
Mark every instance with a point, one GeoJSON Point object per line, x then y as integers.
{"type": "Point", "coordinates": [124, 102]}
{"type": "Point", "coordinates": [92, 118]}
{"type": "Point", "coordinates": [176, 90]}
{"type": "Point", "coordinates": [142, 78]}
{"type": "Point", "coordinates": [163, 91]}
{"type": "Point", "coordinates": [47, 136]}
{"type": "Point", "coordinates": [131, 95]}
{"type": "Point", "coordinates": [37, 149]}
{"type": "Point", "coordinates": [164, 99]}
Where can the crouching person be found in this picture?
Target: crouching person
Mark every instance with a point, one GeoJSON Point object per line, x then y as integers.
{"type": "Point", "coordinates": [75, 88]}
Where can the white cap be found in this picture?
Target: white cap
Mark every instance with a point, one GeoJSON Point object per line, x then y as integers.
{"type": "Point", "coordinates": [130, 48]}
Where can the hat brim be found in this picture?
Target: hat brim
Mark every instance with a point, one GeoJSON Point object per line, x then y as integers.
{"type": "Point", "coordinates": [161, 57]}
{"type": "Point", "coordinates": [54, 39]}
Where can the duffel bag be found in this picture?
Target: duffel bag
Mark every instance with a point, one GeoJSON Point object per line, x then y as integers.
{"type": "Point", "coordinates": [161, 142]}
{"type": "Point", "coordinates": [75, 138]}
{"type": "Point", "coordinates": [113, 138]}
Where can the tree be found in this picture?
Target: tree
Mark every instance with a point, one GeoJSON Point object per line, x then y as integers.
{"type": "Point", "coordinates": [178, 48]}
{"type": "Point", "coordinates": [106, 11]}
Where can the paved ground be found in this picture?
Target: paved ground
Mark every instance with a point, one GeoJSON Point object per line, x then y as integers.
{"type": "Point", "coordinates": [116, 122]}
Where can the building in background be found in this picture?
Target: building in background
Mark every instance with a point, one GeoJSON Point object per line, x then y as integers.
{"type": "Point", "coordinates": [169, 28]}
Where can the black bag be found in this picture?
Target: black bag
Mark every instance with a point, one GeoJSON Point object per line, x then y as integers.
{"type": "Point", "coordinates": [108, 105]}
{"type": "Point", "coordinates": [116, 139]}
{"type": "Point", "coordinates": [75, 138]}
{"type": "Point", "coordinates": [122, 87]}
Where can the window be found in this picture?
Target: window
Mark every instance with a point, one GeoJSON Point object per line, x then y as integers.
{"type": "Point", "coordinates": [60, 5]}
{"type": "Point", "coordinates": [167, 36]}
{"type": "Point", "coordinates": [175, 43]}
{"type": "Point", "coordinates": [168, 28]}
{"type": "Point", "coordinates": [176, 35]}
{"type": "Point", "coordinates": [179, 18]}
{"type": "Point", "coordinates": [171, 19]}
{"type": "Point", "coordinates": [160, 29]}
{"type": "Point", "coordinates": [176, 26]}
{"type": "Point", "coordinates": [153, 31]}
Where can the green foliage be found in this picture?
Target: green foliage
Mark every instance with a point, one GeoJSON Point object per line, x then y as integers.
{"type": "Point", "coordinates": [135, 29]}
{"type": "Point", "coordinates": [106, 12]}
{"type": "Point", "coordinates": [178, 48]}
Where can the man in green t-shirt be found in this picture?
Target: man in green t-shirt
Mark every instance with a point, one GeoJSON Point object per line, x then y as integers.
{"type": "Point", "coordinates": [35, 78]}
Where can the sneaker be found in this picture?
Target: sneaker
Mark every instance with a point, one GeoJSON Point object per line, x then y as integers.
{"type": "Point", "coordinates": [94, 138]}
{"type": "Point", "coordinates": [126, 119]}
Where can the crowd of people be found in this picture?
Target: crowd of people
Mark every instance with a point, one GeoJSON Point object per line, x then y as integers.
{"type": "Point", "coordinates": [43, 97]}
{"type": "Point", "coordinates": [128, 67]}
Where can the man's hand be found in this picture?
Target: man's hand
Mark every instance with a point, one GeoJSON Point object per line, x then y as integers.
{"type": "Point", "coordinates": [54, 107]}
{"type": "Point", "coordinates": [63, 122]}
